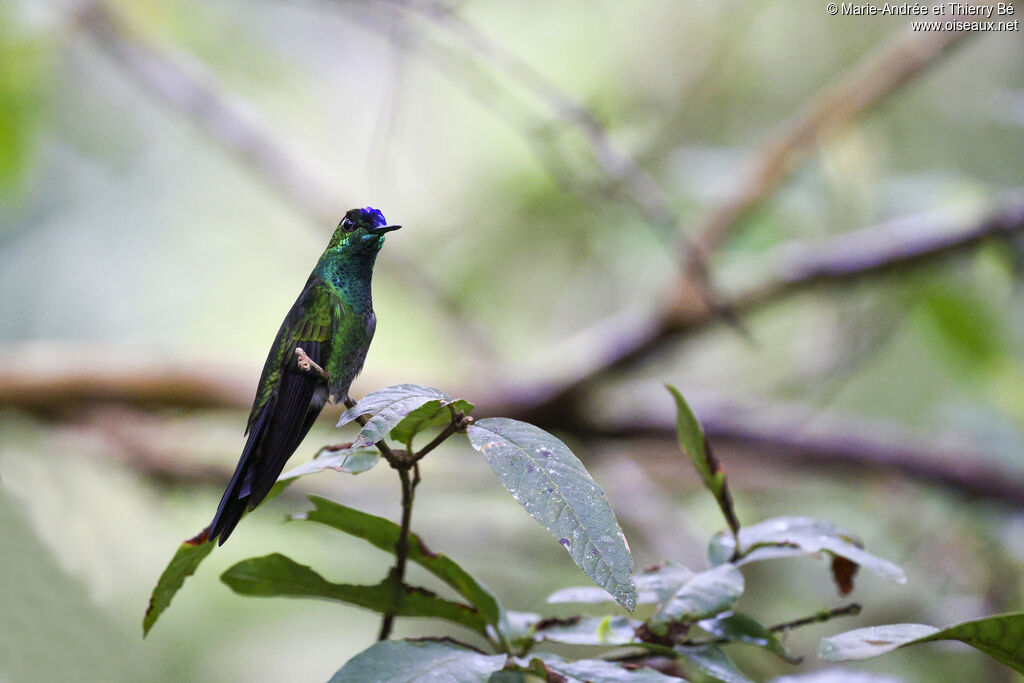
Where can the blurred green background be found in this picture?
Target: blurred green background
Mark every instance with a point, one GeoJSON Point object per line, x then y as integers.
{"type": "Point", "coordinates": [171, 169]}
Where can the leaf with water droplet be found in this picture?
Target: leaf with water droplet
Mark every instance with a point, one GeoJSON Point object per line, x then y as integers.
{"type": "Point", "coordinates": [560, 494]}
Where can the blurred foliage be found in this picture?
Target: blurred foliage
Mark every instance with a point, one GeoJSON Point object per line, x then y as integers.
{"type": "Point", "coordinates": [126, 229]}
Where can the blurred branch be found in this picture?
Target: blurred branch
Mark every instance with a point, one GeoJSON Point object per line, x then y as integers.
{"type": "Point", "coordinates": [743, 433]}
{"type": "Point", "coordinates": [788, 435]}
{"type": "Point", "coordinates": [641, 188]}
{"type": "Point", "coordinates": [900, 244]}
{"type": "Point", "coordinates": [55, 378]}
{"type": "Point", "coordinates": [29, 378]}
{"type": "Point", "coordinates": [186, 85]}
{"type": "Point", "coordinates": [865, 85]}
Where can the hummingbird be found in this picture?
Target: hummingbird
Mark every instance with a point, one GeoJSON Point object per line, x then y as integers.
{"type": "Point", "coordinates": [318, 351]}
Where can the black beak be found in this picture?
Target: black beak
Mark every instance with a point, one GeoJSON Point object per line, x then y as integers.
{"type": "Point", "coordinates": [380, 230]}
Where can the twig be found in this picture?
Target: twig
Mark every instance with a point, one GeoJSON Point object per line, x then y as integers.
{"type": "Point", "coordinates": [401, 546]}
{"type": "Point", "coordinates": [664, 646]}
{"type": "Point", "coordinates": [397, 573]}
{"type": "Point", "coordinates": [853, 609]}
{"type": "Point", "coordinates": [458, 423]}
{"type": "Point", "coordinates": [403, 464]}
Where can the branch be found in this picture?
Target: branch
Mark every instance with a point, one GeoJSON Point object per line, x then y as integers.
{"type": "Point", "coordinates": [865, 85]}
{"type": "Point", "coordinates": [783, 434]}
{"type": "Point", "coordinates": [851, 610]}
{"type": "Point", "coordinates": [29, 379]}
{"type": "Point", "coordinates": [186, 85]}
{"type": "Point", "coordinates": [618, 166]}
{"type": "Point", "coordinates": [632, 336]}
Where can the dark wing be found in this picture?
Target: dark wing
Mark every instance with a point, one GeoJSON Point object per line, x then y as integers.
{"type": "Point", "coordinates": [287, 403]}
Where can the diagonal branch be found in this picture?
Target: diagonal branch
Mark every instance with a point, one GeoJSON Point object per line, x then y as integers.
{"type": "Point", "coordinates": [864, 86]}
{"type": "Point", "coordinates": [899, 244]}
{"type": "Point", "coordinates": [621, 168]}
{"type": "Point", "coordinates": [186, 85]}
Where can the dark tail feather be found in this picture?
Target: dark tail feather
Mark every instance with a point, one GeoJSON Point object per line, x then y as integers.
{"type": "Point", "coordinates": [277, 432]}
{"type": "Point", "coordinates": [232, 506]}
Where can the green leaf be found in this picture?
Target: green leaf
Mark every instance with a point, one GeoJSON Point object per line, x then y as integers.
{"type": "Point", "coordinates": [422, 660]}
{"type": "Point", "coordinates": [384, 534]}
{"type": "Point", "coordinates": [348, 460]}
{"type": "Point", "coordinates": [544, 476]}
{"type": "Point", "coordinates": [797, 537]}
{"type": "Point", "coordinates": [713, 663]}
{"type": "Point", "coordinates": [741, 628]}
{"type": "Point", "coordinates": [1000, 637]}
{"type": "Point", "coordinates": [653, 585]}
{"type": "Point", "coordinates": [185, 562]}
{"type": "Point", "coordinates": [387, 408]}
{"type": "Point", "coordinates": [694, 444]}
{"type": "Point", "coordinates": [182, 565]}
{"type": "Point", "coordinates": [610, 630]}
{"type": "Point", "coordinates": [706, 594]}
{"type": "Point", "coordinates": [276, 575]}
{"type": "Point", "coordinates": [599, 671]}
{"type": "Point", "coordinates": [432, 414]}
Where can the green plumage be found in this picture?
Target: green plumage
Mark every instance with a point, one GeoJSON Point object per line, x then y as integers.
{"type": "Point", "coordinates": [332, 321]}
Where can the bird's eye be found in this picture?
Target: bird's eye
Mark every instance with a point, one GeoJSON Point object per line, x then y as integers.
{"type": "Point", "coordinates": [347, 225]}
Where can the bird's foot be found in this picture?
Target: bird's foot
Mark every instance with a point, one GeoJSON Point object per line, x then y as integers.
{"type": "Point", "coordinates": [306, 364]}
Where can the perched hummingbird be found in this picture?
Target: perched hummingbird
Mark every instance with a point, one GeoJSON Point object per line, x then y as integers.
{"type": "Point", "coordinates": [332, 321]}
